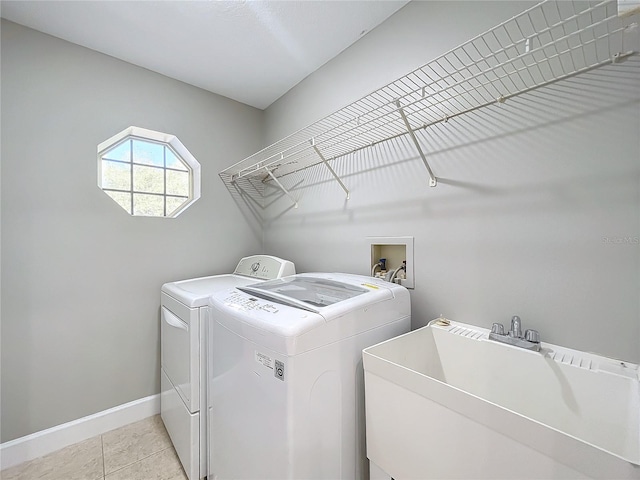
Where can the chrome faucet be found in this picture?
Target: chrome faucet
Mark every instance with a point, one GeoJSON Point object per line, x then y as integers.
{"type": "Point", "coordinates": [530, 340]}
{"type": "Point", "coordinates": [516, 327]}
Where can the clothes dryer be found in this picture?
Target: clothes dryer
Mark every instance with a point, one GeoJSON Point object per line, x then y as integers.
{"type": "Point", "coordinates": [286, 393]}
{"type": "Point", "coordinates": [184, 353]}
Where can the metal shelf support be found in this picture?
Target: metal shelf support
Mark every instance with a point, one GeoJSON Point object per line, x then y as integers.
{"type": "Point", "coordinates": [432, 178]}
{"type": "Point", "coordinates": [335, 175]}
{"type": "Point", "coordinates": [286, 192]}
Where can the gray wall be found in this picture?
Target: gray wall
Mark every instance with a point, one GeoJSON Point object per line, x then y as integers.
{"type": "Point", "coordinates": [529, 193]}
{"type": "Point", "coordinates": [80, 278]}
{"type": "Point", "coordinates": [537, 211]}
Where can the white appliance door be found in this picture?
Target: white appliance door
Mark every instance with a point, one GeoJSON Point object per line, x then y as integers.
{"type": "Point", "coordinates": [181, 355]}
{"type": "Point", "coordinates": [183, 428]}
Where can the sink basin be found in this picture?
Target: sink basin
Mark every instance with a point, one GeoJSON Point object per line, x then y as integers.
{"type": "Point", "coordinates": [446, 402]}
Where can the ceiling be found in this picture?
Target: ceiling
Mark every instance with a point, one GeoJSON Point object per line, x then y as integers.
{"type": "Point", "coordinates": [250, 51]}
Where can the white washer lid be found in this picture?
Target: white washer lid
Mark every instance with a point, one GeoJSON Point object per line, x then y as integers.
{"type": "Point", "coordinates": [288, 328]}
{"type": "Point", "coordinates": [307, 292]}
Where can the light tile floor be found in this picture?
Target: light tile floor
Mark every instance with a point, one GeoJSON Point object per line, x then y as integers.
{"type": "Point", "coordinates": [139, 451]}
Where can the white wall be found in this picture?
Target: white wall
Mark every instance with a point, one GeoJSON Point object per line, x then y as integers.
{"type": "Point", "coordinates": [81, 278]}
{"type": "Point", "coordinates": [534, 203]}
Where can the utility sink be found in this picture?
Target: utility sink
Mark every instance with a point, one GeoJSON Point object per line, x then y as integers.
{"type": "Point", "coordinates": [444, 401]}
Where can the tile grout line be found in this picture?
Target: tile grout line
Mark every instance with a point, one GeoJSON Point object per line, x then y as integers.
{"type": "Point", "coordinates": [104, 470]}
{"type": "Point", "coordinates": [133, 463]}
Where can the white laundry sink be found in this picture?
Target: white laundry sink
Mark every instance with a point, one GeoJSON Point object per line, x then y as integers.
{"type": "Point", "coordinates": [447, 402]}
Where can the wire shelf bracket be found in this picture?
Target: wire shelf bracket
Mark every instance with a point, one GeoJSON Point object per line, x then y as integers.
{"type": "Point", "coordinates": [432, 179]}
{"type": "Point", "coordinates": [286, 192]}
{"type": "Point", "coordinates": [547, 43]}
{"type": "Point", "coordinates": [335, 175]}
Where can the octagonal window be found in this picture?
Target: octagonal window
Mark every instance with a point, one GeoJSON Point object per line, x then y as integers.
{"type": "Point", "coordinates": [148, 173]}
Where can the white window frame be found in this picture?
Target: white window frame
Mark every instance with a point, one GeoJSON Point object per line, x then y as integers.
{"type": "Point", "coordinates": [168, 140]}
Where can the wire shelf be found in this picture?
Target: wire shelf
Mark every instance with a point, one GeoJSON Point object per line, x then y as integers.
{"type": "Point", "coordinates": [549, 42]}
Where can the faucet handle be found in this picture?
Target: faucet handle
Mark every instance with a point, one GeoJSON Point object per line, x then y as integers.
{"type": "Point", "coordinates": [532, 336]}
{"type": "Point", "coordinates": [497, 328]}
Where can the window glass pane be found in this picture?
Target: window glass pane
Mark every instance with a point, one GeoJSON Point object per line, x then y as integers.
{"type": "Point", "coordinates": [148, 153]}
{"type": "Point", "coordinates": [123, 199]}
{"type": "Point", "coordinates": [178, 183]}
{"type": "Point", "coordinates": [120, 152]}
{"type": "Point", "coordinates": [149, 205]}
{"type": "Point", "coordinates": [148, 179]}
{"type": "Point", "coordinates": [116, 175]}
{"type": "Point", "coordinates": [142, 171]}
{"type": "Point", "coordinates": [174, 162]}
{"type": "Point", "coordinates": [173, 203]}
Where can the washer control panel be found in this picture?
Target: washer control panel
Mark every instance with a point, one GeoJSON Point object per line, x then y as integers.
{"type": "Point", "coordinates": [243, 302]}
{"type": "Point", "coordinates": [264, 267]}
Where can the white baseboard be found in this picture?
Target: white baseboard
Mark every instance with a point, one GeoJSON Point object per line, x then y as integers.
{"type": "Point", "coordinates": [54, 438]}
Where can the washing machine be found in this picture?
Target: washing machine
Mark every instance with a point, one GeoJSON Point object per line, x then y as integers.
{"type": "Point", "coordinates": [184, 354]}
{"type": "Point", "coordinates": [286, 384]}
